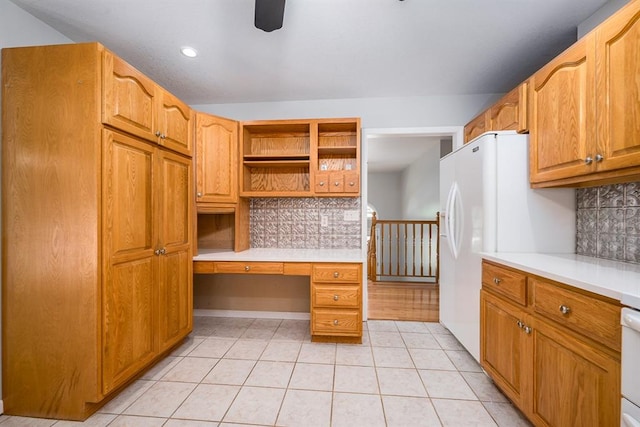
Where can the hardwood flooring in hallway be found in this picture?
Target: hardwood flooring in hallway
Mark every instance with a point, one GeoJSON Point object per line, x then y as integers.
{"type": "Point", "coordinates": [403, 301]}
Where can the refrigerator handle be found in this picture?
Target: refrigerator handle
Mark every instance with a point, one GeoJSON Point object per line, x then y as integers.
{"type": "Point", "coordinates": [450, 218]}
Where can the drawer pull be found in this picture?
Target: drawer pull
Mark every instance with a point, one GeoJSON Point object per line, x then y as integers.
{"type": "Point", "coordinates": [336, 274]}
{"type": "Point", "coordinates": [321, 183]}
{"type": "Point", "coordinates": [351, 184]}
{"type": "Point", "coordinates": [336, 298]}
{"type": "Point", "coordinates": [520, 324]}
{"type": "Point", "coordinates": [564, 309]}
{"type": "Point", "coordinates": [247, 268]}
{"type": "Point", "coordinates": [496, 280]}
{"type": "Point", "coordinates": [335, 322]}
{"type": "Point", "coordinates": [527, 330]}
{"type": "Point", "coordinates": [337, 184]}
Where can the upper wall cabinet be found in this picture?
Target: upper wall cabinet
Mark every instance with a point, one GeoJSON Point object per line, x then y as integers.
{"type": "Point", "coordinates": [585, 126]}
{"type": "Point", "coordinates": [135, 104]}
{"type": "Point", "coordinates": [300, 158]}
{"type": "Point", "coordinates": [508, 113]}
{"type": "Point", "coordinates": [216, 160]}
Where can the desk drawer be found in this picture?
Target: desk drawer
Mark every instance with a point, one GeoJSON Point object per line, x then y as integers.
{"type": "Point", "coordinates": [236, 267]}
{"type": "Point", "coordinates": [585, 314]}
{"type": "Point", "coordinates": [508, 283]}
{"type": "Point", "coordinates": [336, 273]}
{"type": "Point", "coordinates": [335, 296]}
{"type": "Point", "coordinates": [336, 322]}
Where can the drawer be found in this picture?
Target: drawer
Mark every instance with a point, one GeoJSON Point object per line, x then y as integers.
{"type": "Point", "coordinates": [351, 182]}
{"type": "Point", "coordinates": [236, 267]}
{"type": "Point", "coordinates": [336, 322]}
{"type": "Point", "coordinates": [506, 282]}
{"type": "Point", "coordinates": [336, 273]}
{"type": "Point", "coordinates": [585, 314]}
{"type": "Point", "coordinates": [335, 296]}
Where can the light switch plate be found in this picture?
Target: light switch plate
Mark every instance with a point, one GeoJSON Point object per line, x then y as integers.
{"type": "Point", "coordinates": [324, 221]}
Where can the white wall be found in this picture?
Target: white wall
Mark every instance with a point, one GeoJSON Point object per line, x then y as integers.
{"type": "Point", "coordinates": [600, 15]}
{"type": "Point", "coordinates": [18, 28]}
{"type": "Point", "coordinates": [421, 186]}
{"type": "Point", "coordinates": [384, 191]}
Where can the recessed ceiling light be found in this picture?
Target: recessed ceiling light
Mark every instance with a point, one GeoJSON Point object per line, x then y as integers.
{"type": "Point", "coordinates": [189, 51]}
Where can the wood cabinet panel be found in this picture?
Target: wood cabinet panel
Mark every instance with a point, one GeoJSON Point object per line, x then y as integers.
{"type": "Point", "coordinates": [252, 267]}
{"type": "Point", "coordinates": [337, 273]}
{"type": "Point", "coordinates": [574, 383]}
{"type": "Point", "coordinates": [216, 159]}
{"type": "Point", "coordinates": [336, 322]}
{"type": "Point", "coordinates": [507, 282]}
{"type": "Point", "coordinates": [576, 311]}
{"type": "Point", "coordinates": [334, 296]}
{"type": "Point", "coordinates": [477, 126]}
{"type": "Point", "coordinates": [510, 112]}
{"type": "Point", "coordinates": [175, 124]}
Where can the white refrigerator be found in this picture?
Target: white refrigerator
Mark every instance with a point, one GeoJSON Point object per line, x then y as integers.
{"type": "Point", "coordinates": [487, 205]}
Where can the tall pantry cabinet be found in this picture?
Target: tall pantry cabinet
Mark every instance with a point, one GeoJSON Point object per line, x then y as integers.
{"type": "Point", "coordinates": [97, 227]}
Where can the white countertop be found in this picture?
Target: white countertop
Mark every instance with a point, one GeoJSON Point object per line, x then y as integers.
{"type": "Point", "coordinates": [618, 280]}
{"type": "Point", "coordinates": [282, 255]}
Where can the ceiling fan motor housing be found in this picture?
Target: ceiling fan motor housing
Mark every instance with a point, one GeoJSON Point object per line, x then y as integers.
{"type": "Point", "coordinates": [269, 14]}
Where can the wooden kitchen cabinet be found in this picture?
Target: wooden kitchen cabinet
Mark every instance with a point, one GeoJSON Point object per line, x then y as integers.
{"type": "Point", "coordinates": [336, 302]}
{"type": "Point", "coordinates": [97, 230]}
{"type": "Point", "coordinates": [135, 104]}
{"type": "Point", "coordinates": [477, 126]}
{"type": "Point", "coordinates": [583, 129]}
{"type": "Point", "coordinates": [556, 356]}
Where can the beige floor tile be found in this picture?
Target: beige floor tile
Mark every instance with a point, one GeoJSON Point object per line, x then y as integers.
{"type": "Point", "coordinates": [228, 332]}
{"type": "Point", "coordinates": [256, 405]}
{"type": "Point", "coordinates": [190, 370]}
{"type": "Point", "coordinates": [246, 349]}
{"type": "Point", "coordinates": [305, 408]}
{"type": "Point", "coordinates": [446, 385]}
{"type": "Point", "coordinates": [293, 330]}
{"type": "Point", "coordinates": [281, 351]}
{"type": "Point", "coordinates": [351, 410]}
{"type": "Point", "coordinates": [317, 353]}
{"type": "Point", "coordinates": [431, 359]}
{"type": "Point", "coordinates": [463, 361]}
{"type": "Point", "coordinates": [189, 423]}
{"type": "Point", "coordinates": [207, 402]}
{"type": "Point", "coordinates": [506, 415]}
{"type": "Point", "coordinates": [95, 420]}
{"type": "Point", "coordinates": [13, 421]}
{"type": "Point", "coordinates": [420, 340]}
{"type": "Point", "coordinates": [382, 325]}
{"type": "Point", "coordinates": [458, 413]}
{"type": "Point", "coordinates": [126, 397]}
{"type": "Point", "coordinates": [187, 346]}
{"type": "Point", "coordinates": [360, 355]}
{"type": "Point", "coordinates": [400, 382]}
{"type": "Point", "coordinates": [230, 372]}
{"type": "Point", "coordinates": [262, 329]}
{"type": "Point", "coordinates": [355, 379]}
{"type": "Point", "coordinates": [419, 327]}
{"type": "Point", "coordinates": [134, 421]}
{"type": "Point", "coordinates": [161, 368]}
{"type": "Point", "coordinates": [212, 347]}
{"type": "Point", "coordinates": [386, 339]}
{"type": "Point", "coordinates": [161, 399]}
{"type": "Point", "coordinates": [391, 357]}
{"type": "Point", "coordinates": [437, 328]}
{"type": "Point", "coordinates": [409, 411]}
{"type": "Point", "coordinates": [312, 376]}
{"type": "Point", "coordinates": [448, 342]}
{"type": "Point", "coordinates": [483, 387]}
{"type": "Point", "coordinates": [270, 374]}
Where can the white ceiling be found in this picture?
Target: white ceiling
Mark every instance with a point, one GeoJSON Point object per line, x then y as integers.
{"type": "Point", "coordinates": [327, 49]}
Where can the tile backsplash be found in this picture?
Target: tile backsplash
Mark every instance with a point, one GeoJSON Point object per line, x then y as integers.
{"type": "Point", "coordinates": [608, 222]}
{"type": "Point", "coordinates": [297, 223]}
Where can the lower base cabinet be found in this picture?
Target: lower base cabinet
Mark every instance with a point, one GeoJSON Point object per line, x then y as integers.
{"type": "Point", "coordinates": [553, 374]}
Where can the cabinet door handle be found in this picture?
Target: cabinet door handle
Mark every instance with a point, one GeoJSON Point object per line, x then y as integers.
{"type": "Point", "coordinates": [158, 133]}
{"type": "Point", "coordinates": [199, 194]}
{"type": "Point", "coordinates": [564, 309]}
{"type": "Point", "coordinates": [527, 330]}
{"type": "Point", "coordinates": [336, 274]}
{"type": "Point", "coordinates": [588, 161]}
{"type": "Point", "coordinates": [497, 280]}
{"type": "Point", "coordinates": [321, 184]}
{"type": "Point", "coordinates": [335, 322]}
{"type": "Point", "coordinates": [599, 158]}
{"type": "Point", "coordinates": [247, 268]}
{"type": "Point", "coordinates": [157, 252]}
{"type": "Point", "coordinates": [520, 324]}
{"type": "Point", "coordinates": [336, 297]}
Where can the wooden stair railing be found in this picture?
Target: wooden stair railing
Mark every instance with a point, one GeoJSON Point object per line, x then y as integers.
{"type": "Point", "coordinates": [404, 250]}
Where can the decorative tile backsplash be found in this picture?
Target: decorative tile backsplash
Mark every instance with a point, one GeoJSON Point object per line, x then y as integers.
{"type": "Point", "coordinates": [297, 223]}
{"type": "Point", "coordinates": [608, 222]}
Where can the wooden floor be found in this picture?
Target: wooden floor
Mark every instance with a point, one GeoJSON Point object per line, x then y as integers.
{"type": "Point", "coordinates": [403, 301]}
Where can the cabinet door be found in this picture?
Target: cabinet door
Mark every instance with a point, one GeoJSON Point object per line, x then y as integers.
{"type": "Point", "coordinates": [128, 290]}
{"type": "Point", "coordinates": [505, 348]}
{"type": "Point", "coordinates": [477, 126]}
{"type": "Point", "coordinates": [129, 98]}
{"type": "Point", "coordinates": [510, 112]}
{"type": "Point", "coordinates": [562, 131]}
{"type": "Point", "coordinates": [216, 159]}
{"type": "Point", "coordinates": [618, 92]}
{"type": "Point", "coordinates": [174, 190]}
{"type": "Point", "coordinates": [575, 384]}
{"type": "Point", "coordinates": [174, 123]}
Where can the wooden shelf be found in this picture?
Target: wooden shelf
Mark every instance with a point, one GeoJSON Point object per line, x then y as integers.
{"type": "Point", "coordinates": [349, 150]}
{"type": "Point", "coordinates": [276, 163]}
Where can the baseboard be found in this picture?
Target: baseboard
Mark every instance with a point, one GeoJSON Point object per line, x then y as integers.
{"type": "Point", "coordinates": [288, 315]}
{"type": "Point", "coordinates": [1, 407]}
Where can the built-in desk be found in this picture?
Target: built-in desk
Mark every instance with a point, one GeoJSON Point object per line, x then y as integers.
{"type": "Point", "coordinates": [335, 282]}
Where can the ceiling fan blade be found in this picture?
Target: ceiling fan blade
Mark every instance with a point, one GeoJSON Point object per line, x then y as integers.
{"type": "Point", "coordinates": [269, 14]}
